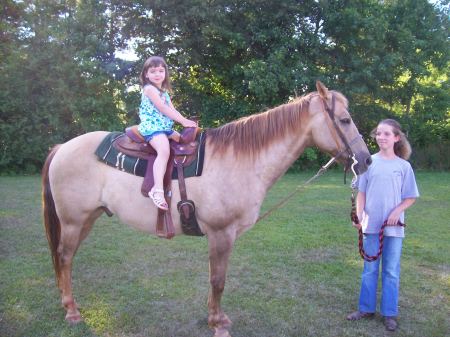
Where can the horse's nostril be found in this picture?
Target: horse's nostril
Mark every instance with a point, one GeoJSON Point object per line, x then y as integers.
{"type": "Point", "coordinates": [368, 161]}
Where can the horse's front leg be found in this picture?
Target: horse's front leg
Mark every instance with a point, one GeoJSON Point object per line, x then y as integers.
{"type": "Point", "coordinates": [220, 247]}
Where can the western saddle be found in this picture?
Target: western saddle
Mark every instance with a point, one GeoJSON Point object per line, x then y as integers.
{"type": "Point", "coordinates": [182, 154]}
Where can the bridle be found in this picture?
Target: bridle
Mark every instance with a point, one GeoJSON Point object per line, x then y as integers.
{"type": "Point", "coordinates": [336, 132]}
{"type": "Point", "coordinates": [335, 129]}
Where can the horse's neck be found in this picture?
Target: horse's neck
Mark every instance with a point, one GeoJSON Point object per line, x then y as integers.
{"type": "Point", "coordinates": [274, 161]}
{"type": "Point", "coordinates": [263, 147]}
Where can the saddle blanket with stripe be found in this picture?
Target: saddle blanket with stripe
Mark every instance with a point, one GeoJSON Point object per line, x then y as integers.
{"type": "Point", "coordinates": [110, 156]}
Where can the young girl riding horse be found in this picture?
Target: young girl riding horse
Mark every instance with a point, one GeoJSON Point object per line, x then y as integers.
{"type": "Point", "coordinates": [157, 115]}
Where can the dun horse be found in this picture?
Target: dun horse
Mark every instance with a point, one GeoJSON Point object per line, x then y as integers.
{"type": "Point", "coordinates": [243, 159]}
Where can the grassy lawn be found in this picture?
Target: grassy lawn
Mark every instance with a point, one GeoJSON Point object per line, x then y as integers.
{"type": "Point", "coordinates": [294, 274]}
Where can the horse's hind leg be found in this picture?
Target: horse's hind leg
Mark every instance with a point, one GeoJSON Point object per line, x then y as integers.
{"type": "Point", "coordinates": [70, 241]}
{"type": "Point", "coordinates": [72, 234]}
{"type": "Point", "coordinates": [220, 247]}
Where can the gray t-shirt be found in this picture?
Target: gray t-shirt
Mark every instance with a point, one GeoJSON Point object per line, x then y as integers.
{"type": "Point", "coordinates": [386, 183]}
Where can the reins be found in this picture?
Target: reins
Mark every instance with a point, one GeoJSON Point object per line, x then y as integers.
{"type": "Point", "coordinates": [355, 219]}
{"type": "Point", "coordinates": [371, 258]}
{"type": "Point", "coordinates": [285, 199]}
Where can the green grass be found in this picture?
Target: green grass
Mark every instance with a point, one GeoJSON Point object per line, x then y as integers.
{"type": "Point", "coordinates": [294, 274]}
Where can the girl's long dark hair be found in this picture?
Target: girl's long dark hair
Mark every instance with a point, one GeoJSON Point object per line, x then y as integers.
{"type": "Point", "coordinates": [155, 61]}
{"type": "Point", "coordinates": [402, 148]}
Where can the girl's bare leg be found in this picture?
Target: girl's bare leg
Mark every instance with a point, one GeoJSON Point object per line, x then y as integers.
{"type": "Point", "coordinates": [161, 144]}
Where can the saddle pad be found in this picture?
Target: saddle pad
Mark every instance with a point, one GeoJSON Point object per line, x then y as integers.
{"type": "Point", "coordinates": [110, 156]}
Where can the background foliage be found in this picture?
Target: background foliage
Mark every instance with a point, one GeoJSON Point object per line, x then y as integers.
{"type": "Point", "coordinates": [60, 75]}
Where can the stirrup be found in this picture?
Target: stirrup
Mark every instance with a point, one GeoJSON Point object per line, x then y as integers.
{"type": "Point", "coordinates": [160, 202]}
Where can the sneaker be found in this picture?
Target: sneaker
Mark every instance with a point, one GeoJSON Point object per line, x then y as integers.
{"type": "Point", "coordinates": [390, 323]}
{"type": "Point", "coordinates": [357, 315]}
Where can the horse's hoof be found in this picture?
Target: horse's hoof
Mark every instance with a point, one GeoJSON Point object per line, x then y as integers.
{"type": "Point", "coordinates": [219, 321]}
{"type": "Point", "coordinates": [221, 332]}
{"type": "Point", "coordinates": [224, 322]}
{"type": "Point", "coordinates": [73, 318]}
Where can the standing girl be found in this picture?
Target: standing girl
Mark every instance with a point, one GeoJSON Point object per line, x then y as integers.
{"type": "Point", "coordinates": [385, 191]}
{"type": "Point", "coordinates": [157, 115]}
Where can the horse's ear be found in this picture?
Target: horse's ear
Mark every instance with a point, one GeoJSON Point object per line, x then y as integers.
{"type": "Point", "coordinates": [322, 90]}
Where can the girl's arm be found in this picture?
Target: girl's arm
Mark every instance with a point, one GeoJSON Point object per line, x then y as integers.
{"type": "Point", "coordinates": [360, 204]}
{"type": "Point", "coordinates": [153, 94]}
{"type": "Point", "coordinates": [395, 214]}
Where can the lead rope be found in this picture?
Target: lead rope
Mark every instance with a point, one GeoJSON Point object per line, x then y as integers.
{"type": "Point", "coordinates": [355, 219]}
{"type": "Point", "coordinates": [283, 201]}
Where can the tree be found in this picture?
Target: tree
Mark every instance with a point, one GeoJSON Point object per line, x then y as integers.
{"type": "Point", "coordinates": [59, 75]}
{"type": "Point", "coordinates": [384, 53]}
{"type": "Point", "coordinates": [56, 80]}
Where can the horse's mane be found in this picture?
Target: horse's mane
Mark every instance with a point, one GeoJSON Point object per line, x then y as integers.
{"type": "Point", "coordinates": [248, 135]}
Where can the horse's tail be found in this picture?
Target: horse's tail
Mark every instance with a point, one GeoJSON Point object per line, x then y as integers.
{"type": "Point", "coordinates": [51, 220]}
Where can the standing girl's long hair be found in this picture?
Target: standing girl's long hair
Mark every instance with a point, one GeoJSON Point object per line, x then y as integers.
{"type": "Point", "coordinates": [402, 148]}
{"type": "Point", "coordinates": [155, 61]}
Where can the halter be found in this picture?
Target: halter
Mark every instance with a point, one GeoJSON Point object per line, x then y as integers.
{"type": "Point", "coordinates": [336, 129]}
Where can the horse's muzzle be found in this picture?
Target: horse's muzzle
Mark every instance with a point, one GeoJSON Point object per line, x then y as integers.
{"type": "Point", "coordinates": [362, 165]}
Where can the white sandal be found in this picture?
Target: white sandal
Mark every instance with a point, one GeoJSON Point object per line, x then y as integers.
{"type": "Point", "coordinates": [157, 196]}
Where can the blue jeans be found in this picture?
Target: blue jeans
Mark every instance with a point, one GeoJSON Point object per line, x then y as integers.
{"type": "Point", "coordinates": [390, 275]}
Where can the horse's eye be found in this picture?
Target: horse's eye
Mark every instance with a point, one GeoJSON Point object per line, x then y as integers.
{"type": "Point", "coordinates": [346, 120]}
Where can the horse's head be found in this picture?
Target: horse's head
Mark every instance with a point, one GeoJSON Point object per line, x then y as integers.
{"type": "Point", "coordinates": [333, 130]}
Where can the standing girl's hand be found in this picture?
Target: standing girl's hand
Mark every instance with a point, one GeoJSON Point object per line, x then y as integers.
{"type": "Point", "coordinates": [393, 218]}
{"type": "Point", "coordinates": [356, 225]}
